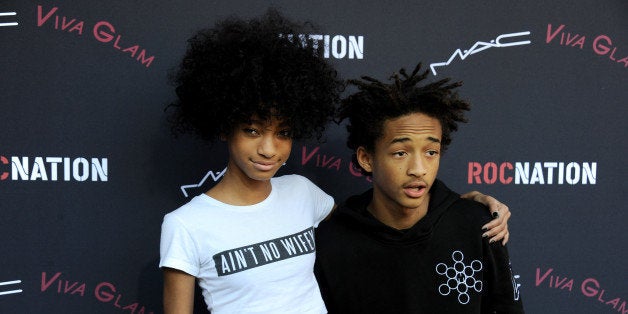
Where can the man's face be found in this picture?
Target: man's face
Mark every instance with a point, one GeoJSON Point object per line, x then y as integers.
{"type": "Point", "coordinates": [257, 150]}
{"type": "Point", "coordinates": [404, 163]}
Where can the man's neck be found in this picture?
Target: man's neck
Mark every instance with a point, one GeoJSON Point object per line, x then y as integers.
{"type": "Point", "coordinates": [398, 217]}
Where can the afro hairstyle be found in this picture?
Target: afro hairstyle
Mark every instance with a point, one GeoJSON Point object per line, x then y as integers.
{"type": "Point", "coordinates": [244, 68]}
{"type": "Point", "coordinates": [376, 102]}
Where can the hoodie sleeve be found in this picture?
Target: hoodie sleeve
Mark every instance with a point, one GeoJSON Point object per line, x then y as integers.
{"type": "Point", "coordinates": [503, 293]}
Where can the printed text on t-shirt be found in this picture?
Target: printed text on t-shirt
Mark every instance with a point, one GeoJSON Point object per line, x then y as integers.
{"type": "Point", "coordinates": [254, 255]}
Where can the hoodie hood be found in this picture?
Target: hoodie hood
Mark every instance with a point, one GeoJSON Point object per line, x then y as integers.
{"type": "Point", "coordinates": [354, 212]}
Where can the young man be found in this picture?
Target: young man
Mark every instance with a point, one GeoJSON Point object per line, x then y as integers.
{"type": "Point", "coordinates": [409, 245]}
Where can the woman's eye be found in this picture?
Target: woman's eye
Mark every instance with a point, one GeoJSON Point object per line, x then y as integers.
{"type": "Point", "coordinates": [285, 133]}
{"type": "Point", "coordinates": [250, 131]}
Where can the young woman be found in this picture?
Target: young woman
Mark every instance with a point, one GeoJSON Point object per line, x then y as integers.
{"type": "Point", "coordinates": [248, 241]}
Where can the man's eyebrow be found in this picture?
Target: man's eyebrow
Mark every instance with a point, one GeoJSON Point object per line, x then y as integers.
{"type": "Point", "coordinates": [400, 140]}
{"type": "Point", "coordinates": [433, 139]}
{"type": "Point", "coordinates": [406, 139]}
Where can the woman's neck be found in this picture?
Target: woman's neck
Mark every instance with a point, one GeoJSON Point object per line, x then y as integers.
{"type": "Point", "coordinates": [240, 190]}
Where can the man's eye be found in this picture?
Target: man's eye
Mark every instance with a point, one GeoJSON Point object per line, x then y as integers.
{"type": "Point", "coordinates": [399, 154]}
{"type": "Point", "coordinates": [432, 152]}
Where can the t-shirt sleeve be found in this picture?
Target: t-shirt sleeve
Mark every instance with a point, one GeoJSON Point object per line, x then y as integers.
{"type": "Point", "coordinates": [323, 202]}
{"type": "Point", "coordinates": [177, 248]}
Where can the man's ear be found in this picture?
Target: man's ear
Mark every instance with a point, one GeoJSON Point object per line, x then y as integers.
{"type": "Point", "coordinates": [364, 159]}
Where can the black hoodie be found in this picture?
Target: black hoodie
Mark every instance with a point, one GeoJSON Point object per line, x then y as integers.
{"type": "Point", "coordinates": [440, 265]}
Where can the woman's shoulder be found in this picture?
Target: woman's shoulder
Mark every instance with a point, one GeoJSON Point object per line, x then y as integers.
{"type": "Point", "coordinates": [291, 180]}
{"type": "Point", "coordinates": [296, 184]}
{"type": "Point", "coordinates": [192, 208]}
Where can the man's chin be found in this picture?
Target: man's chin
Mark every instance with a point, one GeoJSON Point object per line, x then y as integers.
{"type": "Point", "coordinates": [413, 205]}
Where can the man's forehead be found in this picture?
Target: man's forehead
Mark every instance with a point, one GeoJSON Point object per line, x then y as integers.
{"type": "Point", "coordinates": [411, 125]}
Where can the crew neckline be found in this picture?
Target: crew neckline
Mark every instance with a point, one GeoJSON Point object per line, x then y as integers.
{"type": "Point", "coordinates": [241, 208]}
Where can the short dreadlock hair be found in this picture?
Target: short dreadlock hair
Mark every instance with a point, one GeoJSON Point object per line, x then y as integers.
{"type": "Point", "coordinates": [375, 102]}
{"type": "Point", "coordinates": [241, 68]}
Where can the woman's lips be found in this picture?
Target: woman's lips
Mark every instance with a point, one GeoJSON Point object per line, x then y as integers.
{"type": "Point", "coordinates": [264, 166]}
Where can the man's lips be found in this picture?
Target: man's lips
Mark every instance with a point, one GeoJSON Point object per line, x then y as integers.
{"type": "Point", "coordinates": [415, 189]}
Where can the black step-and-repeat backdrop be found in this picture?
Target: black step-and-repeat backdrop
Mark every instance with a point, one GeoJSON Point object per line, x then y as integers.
{"type": "Point", "coordinates": [88, 166]}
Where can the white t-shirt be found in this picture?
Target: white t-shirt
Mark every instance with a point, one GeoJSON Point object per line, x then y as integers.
{"type": "Point", "coordinates": [251, 259]}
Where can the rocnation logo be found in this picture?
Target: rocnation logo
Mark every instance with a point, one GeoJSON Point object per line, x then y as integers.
{"type": "Point", "coordinates": [53, 169]}
{"type": "Point", "coordinates": [333, 46]}
{"type": "Point", "coordinates": [547, 172]}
